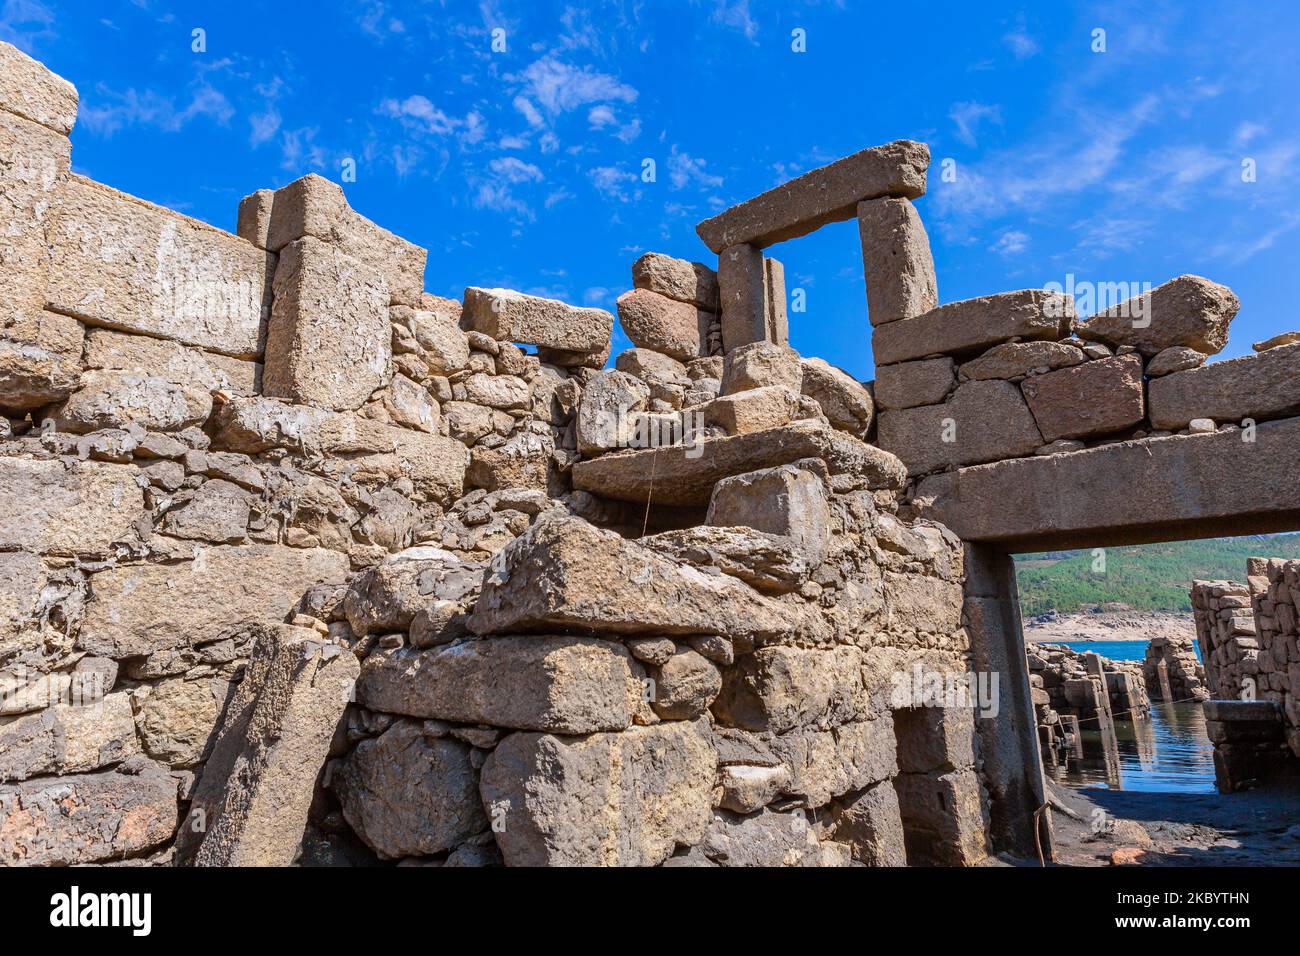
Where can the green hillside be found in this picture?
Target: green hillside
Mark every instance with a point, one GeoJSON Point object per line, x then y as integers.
{"type": "Point", "coordinates": [1151, 577]}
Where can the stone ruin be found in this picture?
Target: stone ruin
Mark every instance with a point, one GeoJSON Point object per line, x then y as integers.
{"type": "Point", "coordinates": [304, 563]}
{"type": "Point", "coordinates": [1172, 671]}
{"type": "Point", "coordinates": [1250, 642]}
{"type": "Point", "coordinates": [1073, 692]}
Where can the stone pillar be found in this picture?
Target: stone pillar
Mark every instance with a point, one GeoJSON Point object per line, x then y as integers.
{"type": "Point", "coordinates": [776, 322]}
{"type": "Point", "coordinates": [1013, 769]}
{"type": "Point", "coordinates": [895, 260]}
{"type": "Point", "coordinates": [742, 286]}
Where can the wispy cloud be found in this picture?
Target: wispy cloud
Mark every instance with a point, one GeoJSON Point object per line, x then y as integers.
{"type": "Point", "coordinates": [106, 111]}
{"type": "Point", "coordinates": [968, 116]}
{"type": "Point", "coordinates": [684, 170]}
{"type": "Point", "coordinates": [22, 22]}
{"type": "Point", "coordinates": [735, 14]}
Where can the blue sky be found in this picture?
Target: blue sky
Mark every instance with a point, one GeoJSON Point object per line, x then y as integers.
{"type": "Point", "coordinates": [522, 167]}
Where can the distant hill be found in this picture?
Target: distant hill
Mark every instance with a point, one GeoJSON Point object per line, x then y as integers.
{"type": "Point", "coordinates": [1150, 577]}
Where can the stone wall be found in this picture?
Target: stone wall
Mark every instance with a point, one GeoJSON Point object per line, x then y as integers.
{"type": "Point", "coordinates": [1171, 670]}
{"type": "Point", "coordinates": [304, 563]}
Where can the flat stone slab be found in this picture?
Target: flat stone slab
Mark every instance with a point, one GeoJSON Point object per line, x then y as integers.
{"type": "Point", "coordinates": [1155, 489]}
{"type": "Point", "coordinates": [32, 91]}
{"type": "Point", "coordinates": [973, 325]}
{"type": "Point", "coordinates": [126, 264]}
{"type": "Point", "coordinates": [828, 194]}
{"type": "Point", "coordinates": [684, 476]}
{"type": "Point", "coordinates": [510, 316]}
{"type": "Point", "coordinates": [1245, 711]}
{"type": "Point", "coordinates": [1262, 385]}
{"type": "Point", "coordinates": [78, 508]}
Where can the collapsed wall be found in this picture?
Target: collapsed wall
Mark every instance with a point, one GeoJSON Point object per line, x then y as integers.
{"type": "Point", "coordinates": [275, 507]}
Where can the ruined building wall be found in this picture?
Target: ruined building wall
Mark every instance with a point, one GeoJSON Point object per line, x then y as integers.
{"type": "Point", "coordinates": [275, 508]}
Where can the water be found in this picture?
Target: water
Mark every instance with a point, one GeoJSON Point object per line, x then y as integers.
{"type": "Point", "coordinates": [1170, 753]}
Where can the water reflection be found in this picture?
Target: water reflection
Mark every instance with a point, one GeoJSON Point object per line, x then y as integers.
{"type": "Point", "coordinates": [1170, 753]}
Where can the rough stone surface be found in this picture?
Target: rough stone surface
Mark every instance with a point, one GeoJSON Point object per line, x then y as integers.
{"type": "Point", "coordinates": [604, 422]}
{"type": "Point", "coordinates": [408, 795]}
{"type": "Point", "coordinates": [973, 325]}
{"type": "Point", "coordinates": [67, 738]}
{"type": "Point", "coordinates": [87, 818]}
{"type": "Point", "coordinates": [510, 316]}
{"type": "Point", "coordinates": [1095, 398]}
{"type": "Point", "coordinates": [140, 354]}
{"type": "Point", "coordinates": [139, 609]}
{"type": "Point", "coordinates": [742, 285]}
{"type": "Point", "coordinates": [178, 717]}
{"type": "Point", "coordinates": [770, 563]}
{"type": "Point", "coordinates": [1286, 338]}
{"type": "Point", "coordinates": [828, 194]}
{"type": "Point", "coordinates": [684, 686]}
{"type": "Point", "coordinates": [650, 366]}
{"type": "Point", "coordinates": [870, 822]}
{"type": "Point", "coordinates": [329, 342]}
{"type": "Point", "coordinates": [1178, 358]}
{"type": "Point", "coordinates": [987, 421]}
{"type": "Point", "coordinates": [566, 573]}
{"type": "Point", "coordinates": [126, 264]}
{"type": "Point", "coordinates": [33, 92]}
{"type": "Point", "coordinates": [753, 410]}
{"type": "Point", "coordinates": [256, 787]}
{"type": "Point", "coordinates": [70, 508]}
{"type": "Point", "coordinates": [27, 189]}
{"type": "Point", "coordinates": [566, 685]}
{"type": "Point", "coordinates": [844, 400]}
{"type": "Point", "coordinates": [786, 501]}
{"type": "Point", "coordinates": [1189, 311]}
{"type": "Point", "coordinates": [784, 688]}
{"type": "Point", "coordinates": [685, 476]}
{"type": "Point", "coordinates": [315, 206]}
{"type": "Point", "coordinates": [678, 279]}
{"type": "Point", "coordinates": [602, 800]}
{"type": "Point", "coordinates": [654, 321]}
{"type": "Point", "coordinates": [119, 399]}
{"type": "Point", "coordinates": [1015, 360]}
{"type": "Point", "coordinates": [1262, 385]}
{"type": "Point", "coordinates": [896, 260]}
{"type": "Point", "coordinates": [910, 384]}
{"type": "Point", "coordinates": [759, 365]}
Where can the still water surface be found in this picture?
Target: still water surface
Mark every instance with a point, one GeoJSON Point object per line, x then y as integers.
{"type": "Point", "coordinates": [1170, 753]}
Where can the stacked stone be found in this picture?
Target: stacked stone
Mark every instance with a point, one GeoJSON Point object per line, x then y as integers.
{"type": "Point", "coordinates": [1172, 671]}
{"type": "Point", "coordinates": [721, 693]}
{"type": "Point", "coordinates": [1227, 635]}
{"type": "Point", "coordinates": [1014, 375]}
{"type": "Point", "coordinates": [1275, 597]}
{"type": "Point", "coordinates": [1059, 670]}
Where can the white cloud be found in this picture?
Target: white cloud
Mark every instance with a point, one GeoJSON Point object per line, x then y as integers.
{"type": "Point", "coordinates": [513, 170]}
{"type": "Point", "coordinates": [530, 112]}
{"type": "Point", "coordinates": [968, 115]}
{"type": "Point", "coordinates": [418, 111]}
{"type": "Point", "coordinates": [23, 21]}
{"type": "Point", "coordinates": [735, 14]}
{"type": "Point", "coordinates": [1010, 243]}
{"type": "Point", "coordinates": [1020, 43]}
{"type": "Point", "coordinates": [683, 170]}
{"type": "Point", "coordinates": [612, 181]}
{"type": "Point", "coordinates": [600, 116]}
{"type": "Point", "coordinates": [559, 88]}
{"type": "Point", "coordinates": [106, 111]}
{"type": "Point", "coordinates": [264, 126]}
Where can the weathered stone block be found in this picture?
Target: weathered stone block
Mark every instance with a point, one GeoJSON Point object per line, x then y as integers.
{"type": "Point", "coordinates": [776, 323]}
{"type": "Point", "coordinates": [1178, 358]}
{"type": "Point", "coordinates": [32, 91]}
{"type": "Point", "coordinates": [909, 384]}
{"type": "Point", "coordinates": [408, 795]}
{"type": "Point", "coordinates": [256, 788]}
{"type": "Point", "coordinates": [844, 400]}
{"type": "Point", "coordinates": [935, 738]}
{"type": "Point", "coordinates": [753, 410]}
{"type": "Point", "coordinates": [685, 475]}
{"type": "Point", "coordinates": [138, 609]}
{"type": "Point", "coordinates": [825, 764]}
{"type": "Point", "coordinates": [210, 371]}
{"type": "Point", "coordinates": [126, 264]}
{"type": "Point", "coordinates": [510, 316]}
{"type": "Point", "coordinates": [314, 206]}
{"type": "Point", "coordinates": [984, 421]}
{"type": "Point", "coordinates": [36, 166]}
{"type": "Point", "coordinates": [870, 822]}
{"type": "Point", "coordinates": [684, 686]}
{"type": "Point", "coordinates": [896, 260]}
{"type": "Point", "coordinates": [108, 399]}
{"type": "Point", "coordinates": [625, 799]}
{"type": "Point", "coordinates": [329, 342]}
{"type": "Point", "coordinates": [770, 563]}
{"type": "Point", "coordinates": [945, 818]}
{"type": "Point", "coordinates": [40, 360]}
{"type": "Point", "coordinates": [67, 738]}
{"type": "Point", "coordinates": [178, 718]}
{"type": "Point", "coordinates": [68, 508]}
{"type": "Point", "coordinates": [565, 573]}
{"type": "Point", "coordinates": [760, 364]}
{"type": "Point", "coordinates": [605, 421]}
{"type": "Point", "coordinates": [566, 685]}
{"type": "Point", "coordinates": [972, 325]}
{"type": "Point", "coordinates": [1095, 398]}
{"type": "Point", "coordinates": [783, 688]}
{"type": "Point", "coordinates": [654, 321]}
{"type": "Point", "coordinates": [1262, 385]}
{"type": "Point", "coordinates": [828, 194]}
{"type": "Point", "coordinates": [1188, 311]}
{"type": "Point", "coordinates": [785, 501]}
{"type": "Point", "coordinates": [87, 818]}
{"type": "Point", "coordinates": [678, 279]}
{"type": "Point", "coordinates": [742, 285]}
{"type": "Point", "coordinates": [1015, 360]}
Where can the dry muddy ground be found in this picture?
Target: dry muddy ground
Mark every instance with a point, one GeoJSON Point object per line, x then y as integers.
{"type": "Point", "coordinates": [1252, 828]}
